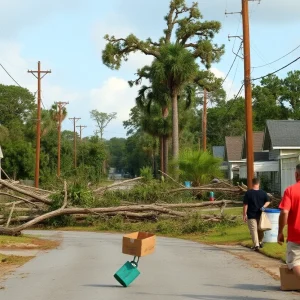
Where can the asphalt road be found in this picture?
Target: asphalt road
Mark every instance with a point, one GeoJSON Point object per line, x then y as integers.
{"type": "Point", "coordinates": [82, 268]}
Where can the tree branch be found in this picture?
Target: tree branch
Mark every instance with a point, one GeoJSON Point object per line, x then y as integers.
{"type": "Point", "coordinates": [30, 194]}
{"type": "Point", "coordinates": [19, 198]}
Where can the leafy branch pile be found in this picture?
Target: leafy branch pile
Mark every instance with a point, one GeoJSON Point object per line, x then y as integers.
{"type": "Point", "coordinates": [27, 206]}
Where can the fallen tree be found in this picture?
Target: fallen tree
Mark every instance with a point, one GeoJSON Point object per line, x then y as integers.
{"type": "Point", "coordinates": [25, 192]}
{"type": "Point", "coordinates": [130, 210]}
{"type": "Point", "coordinates": [37, 207]}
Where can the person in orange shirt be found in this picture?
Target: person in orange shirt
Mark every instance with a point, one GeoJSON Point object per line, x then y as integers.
{"type": "Point", "coordinates": [290, 215]}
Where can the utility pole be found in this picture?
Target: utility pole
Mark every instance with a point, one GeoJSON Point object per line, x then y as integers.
{"type": "Point", "coordinates": [248, 93]}
{"type": "Point", "coordinates": [81, 127]}
{"type": "Point", "coordinates": [60, 105]}
{"type": "Point", "coordinates": [248, 89]}
{"type": "Point", "coordinates": [74, 122]}
{"type": "Point", "coordinates": [204, 120]}
{"type": "Point", "coordinates": [38, 121]}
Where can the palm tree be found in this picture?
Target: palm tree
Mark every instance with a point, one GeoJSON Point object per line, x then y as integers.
{"type": "Point", "coordinates": [200, 167]}
{"type": "Point", "coordinates": [58, 114]}
{"type": "Point", "coordinates": [154, 104]}
{"type": "Point", "coordinates": [175, 68]}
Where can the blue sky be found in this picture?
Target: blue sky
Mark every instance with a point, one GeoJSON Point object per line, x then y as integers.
{"type": "Point", "coordinates": [67, 37]}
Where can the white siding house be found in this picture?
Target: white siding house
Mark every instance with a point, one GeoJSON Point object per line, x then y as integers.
{"type": "Point", "coordinates": [288, 164]}
{"type": "Point", "coordinates": [282, 139]}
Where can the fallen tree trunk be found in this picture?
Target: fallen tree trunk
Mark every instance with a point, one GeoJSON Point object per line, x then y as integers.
{"type": "Point", "coordinates": [17, 197]}
{"type": "Point", "coordinates": [206, 188]}
{"type": "Point", "coordinates": [201, 204]}
{"type": "Point", "coordinates": [27, 193]}
{"type": "Point", "coordinates": [22, 209]}
{"type": "Point", "coordinates": [17, 220]}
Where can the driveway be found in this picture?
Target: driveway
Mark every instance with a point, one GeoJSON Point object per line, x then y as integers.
{"type": "Point", "coordinates": [83, 267]}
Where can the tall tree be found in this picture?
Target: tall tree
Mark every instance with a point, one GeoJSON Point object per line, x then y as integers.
{"type": "Point", "coordinates": [175, 54]}
{"type": "Point", "coordinates": [102, 119]}
{"type": "Point", "coordinates": [291, 92]}
{"type": "Point", "coordinates": [154, 105]}
{"type": "Point", "coordinates": [267, 101]}
{"type": "Point", "coordinates": [16, 103]}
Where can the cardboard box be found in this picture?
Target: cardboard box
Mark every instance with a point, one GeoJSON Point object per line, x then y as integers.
{"type": "Point", "coordinates": [289, 281]}
{"type": "Point", "coordinates": [139, 243]}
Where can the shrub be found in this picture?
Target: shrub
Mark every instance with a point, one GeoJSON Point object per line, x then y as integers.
{"type": "Point", "coordinates": [146, 173]}
{"type": "Point", "coordinates": [200, 167]}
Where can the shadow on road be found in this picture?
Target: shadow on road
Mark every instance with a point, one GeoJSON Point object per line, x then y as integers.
{"type": "Point", "coordinates": [210, 297]}
{"type": "Point", "coordinates": [250, 287]}
{"type": "Point", "coordinates": [215, 297]}
{"type": "Point", "coordinates": [103, 285]}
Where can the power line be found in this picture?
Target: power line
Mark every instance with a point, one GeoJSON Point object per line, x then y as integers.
{"type": "Point", "coordinates": [277, 59]}
{"type": "Point", "coordinates": [232, 64]}
{"type": "Point", "coordinates": [236, 96]}
{"type": "Point", "coordinates": [237, 66]}
{"type": "Point", "coordinates": [10, 75]}
{"type": "Point", "coordinates": [276, 70]}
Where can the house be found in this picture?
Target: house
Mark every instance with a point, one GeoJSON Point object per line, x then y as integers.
{"type": "Point", "coordinates": [282, 140]}
{"type": "Point", "coordinates": [263, 167]}
{"type": "Point", "coordinates": [219, 152]}
{"type": "Point", "coordinates": [233, 155]}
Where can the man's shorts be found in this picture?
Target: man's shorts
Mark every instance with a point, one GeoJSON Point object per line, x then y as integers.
{"type": "Point", "coordinates": [292, 255]}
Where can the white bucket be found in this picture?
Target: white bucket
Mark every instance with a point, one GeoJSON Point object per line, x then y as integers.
{"type": "Point", "coordinates": [271, 235]}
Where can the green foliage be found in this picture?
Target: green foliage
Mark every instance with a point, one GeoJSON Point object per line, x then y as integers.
{"type": "Point", "coordinates": [16, 104]}
{"type": "Point", "coordinates": [147, 174]}
{"type": "Point", "coordinates": [171, 227]}
{"type": "Point", "coordinates": [200, 167]}
{"type": "Point", "coordinates": [102, 119]}
{"type": "Point", "coordinates": [64, 220]}
{"type": "Point", "coordinates": [175, 67]}
{"type": "Point", "coordinates": [19, 159]}
{"type": "Point", "coordinates": [117, 154]}
{"type": "Point", "coordinates": [81, 196]}
{"type": "Point", "coordinates": [150, 192]}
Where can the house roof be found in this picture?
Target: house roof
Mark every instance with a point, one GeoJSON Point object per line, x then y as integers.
{"type": "Point", "coordinates": [258, 139]}
{"type": "Point", "coordinates": [219, 151]}
{"type": "Point", "coordinates": [280, 134]}
{"type": "Point", "coordinates": [234, 145]}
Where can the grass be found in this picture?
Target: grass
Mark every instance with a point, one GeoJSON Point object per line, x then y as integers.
{"type": "Point", "coordinates": [273, 250]}
{"type": "Point", "coordinates": [230, 236]}
{"type": "Point", "coordinates": [14, 260]}
{"type": "Point", "coordinates": [26, 242]}
{"type": "Point", "coordinates": [7, 262]}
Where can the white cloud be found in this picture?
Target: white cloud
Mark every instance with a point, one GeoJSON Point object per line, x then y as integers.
{"type": "Point", "coordinates": [115, 95]}
{"type": "Point", "coordinates": [229, 86]}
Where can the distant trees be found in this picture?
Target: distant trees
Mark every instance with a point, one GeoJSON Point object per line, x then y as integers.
{"type": "Point", "coordinates": [102, 119]}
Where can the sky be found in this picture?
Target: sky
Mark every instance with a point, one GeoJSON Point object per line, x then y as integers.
{"type": "Point", "coordinates": [67, 37]}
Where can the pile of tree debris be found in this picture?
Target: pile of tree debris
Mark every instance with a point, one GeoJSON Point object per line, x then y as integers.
{"type": "Point", "coordinates": [22, 206]}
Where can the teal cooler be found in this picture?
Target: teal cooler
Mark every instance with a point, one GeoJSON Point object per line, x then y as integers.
{"type": "Point", "coordinates": [187, 184]}
{"type": "Point", "coordinates": [127, 273]}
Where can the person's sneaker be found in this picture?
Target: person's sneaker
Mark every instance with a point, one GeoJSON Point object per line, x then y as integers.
{"type": "Point", "coordinates": [261, 245]}
{"type": "Point", "coordinates": [256, 248]}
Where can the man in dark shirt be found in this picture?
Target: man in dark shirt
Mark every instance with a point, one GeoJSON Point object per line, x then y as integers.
{"type": "Point", "coordinates": [255, 201]}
